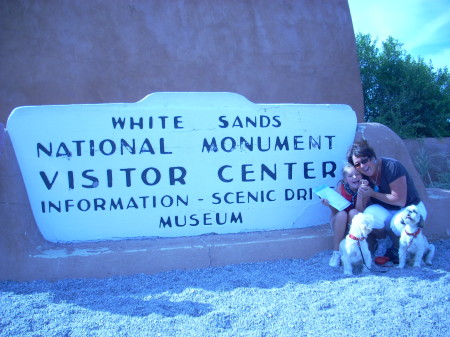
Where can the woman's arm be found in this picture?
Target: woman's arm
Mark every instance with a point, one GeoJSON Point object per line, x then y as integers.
{"type": "Point", "coordinates": [361, 202]}
{"type": "Point", "coordinates": [397, 197]}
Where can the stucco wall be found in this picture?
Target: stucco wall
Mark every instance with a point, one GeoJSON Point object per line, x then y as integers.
{"type": "Point", "coordinates": [431, 157]}
{"type": "Point", "coordinates": [76, 51]}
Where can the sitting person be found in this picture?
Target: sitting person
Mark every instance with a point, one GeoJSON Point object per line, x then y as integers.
{"type": "Point", "coordinates": [390, 190]}
{"type": "Point", "coordinates": [348, 188]}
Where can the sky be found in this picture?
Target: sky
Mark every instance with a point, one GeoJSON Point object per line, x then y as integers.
{"type": "Point", "coordinates": [422, 26]}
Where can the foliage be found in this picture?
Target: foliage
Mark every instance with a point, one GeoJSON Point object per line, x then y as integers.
{"type": "Point", "coordinates": [423, 165]}
{"type": "Point", "coordinates": [407, 95]}
{"type": "Point", "coordinates": [432, 174]}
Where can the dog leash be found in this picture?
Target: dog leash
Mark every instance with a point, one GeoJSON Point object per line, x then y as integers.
{"type": "Point", "coordinates": [364, 262]}
{"type": "Point", "coordinates": [414, 235]}
{"type": "Point", "coordinates": [406, 251]}
{"type": "Point", "coordinates": [362, 255]}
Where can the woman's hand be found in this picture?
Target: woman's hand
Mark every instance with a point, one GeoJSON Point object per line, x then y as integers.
{"type": "Point", "coordinates": [364, 190]}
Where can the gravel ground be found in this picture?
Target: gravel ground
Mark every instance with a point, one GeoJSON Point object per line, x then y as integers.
{"type": "Point", "coordinates": [281, 298]}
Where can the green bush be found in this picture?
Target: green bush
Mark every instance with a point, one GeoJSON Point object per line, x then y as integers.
{"type": "Point", "coordinates": [407, 95]}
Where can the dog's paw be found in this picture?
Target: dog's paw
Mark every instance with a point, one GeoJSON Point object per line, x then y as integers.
{"type": "Point", "coordinates": [400, 266]}
{"type": "Point", "coordinates": [428, 263]}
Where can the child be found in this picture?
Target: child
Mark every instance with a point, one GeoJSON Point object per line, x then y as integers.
{"type": "Point", "coordinates": [348, 187]}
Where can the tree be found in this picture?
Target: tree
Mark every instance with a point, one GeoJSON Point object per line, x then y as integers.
{"type": "Point", "coordinates": [405, 94]}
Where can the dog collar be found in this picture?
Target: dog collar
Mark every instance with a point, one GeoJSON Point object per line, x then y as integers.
{"type": "Point", "coordinates": [355, 238]}
{"type": "Point", "coordinates": [414, 235]}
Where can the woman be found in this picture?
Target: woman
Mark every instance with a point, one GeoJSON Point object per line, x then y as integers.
{"type": "Point", "coordinates": [390, 189]}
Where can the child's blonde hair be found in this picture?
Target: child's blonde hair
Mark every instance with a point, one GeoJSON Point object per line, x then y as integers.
{"type": "Point", "coordinates": [347, 167]}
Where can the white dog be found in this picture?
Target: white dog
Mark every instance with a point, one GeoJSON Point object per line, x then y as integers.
{"type": "Point", "coordinates": [412, 241]}
{"type": "Point", "coordinates": [354, 248]}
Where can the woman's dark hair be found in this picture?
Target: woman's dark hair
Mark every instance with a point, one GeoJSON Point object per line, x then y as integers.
{"type": "Point", "coordinates": [360, 149]}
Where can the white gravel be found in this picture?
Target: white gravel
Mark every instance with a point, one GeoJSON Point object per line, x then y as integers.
{"type": "Point", "coordinates": [281, 298]}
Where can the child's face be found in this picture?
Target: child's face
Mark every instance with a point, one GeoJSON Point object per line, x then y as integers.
{"type": "Point", "coordinates": [353, 178]}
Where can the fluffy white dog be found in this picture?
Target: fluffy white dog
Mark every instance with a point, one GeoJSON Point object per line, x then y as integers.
{"type": "Point", "coordinates": [412, 241]}
{"type": "Point", "coordinates": [354, 248]}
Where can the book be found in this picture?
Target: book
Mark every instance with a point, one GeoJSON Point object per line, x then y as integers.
{"type": "Point", "coordinates": [334, 198]}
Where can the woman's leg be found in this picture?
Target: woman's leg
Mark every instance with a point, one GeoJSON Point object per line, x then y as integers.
{"type": "Point", "coordinates": [382, 216]}
{"type": "Point", "coordinates": [382, 221]}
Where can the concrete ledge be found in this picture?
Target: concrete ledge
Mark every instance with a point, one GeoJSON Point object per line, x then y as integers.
{"type": "Point", "coordinates": [127, 257]}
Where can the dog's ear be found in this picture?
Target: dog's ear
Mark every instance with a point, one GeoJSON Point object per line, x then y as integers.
{"type": "Point", "coordinates": [421, 222]}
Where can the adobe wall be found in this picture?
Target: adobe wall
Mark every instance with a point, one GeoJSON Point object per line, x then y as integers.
{"type": "Point", "coordinates": [431, 156]}
{"type": "Point", "coordinates": [76, 51]}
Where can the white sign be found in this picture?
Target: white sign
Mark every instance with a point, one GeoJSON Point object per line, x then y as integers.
{"type": "Point", "coordinates": [178, 164]}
